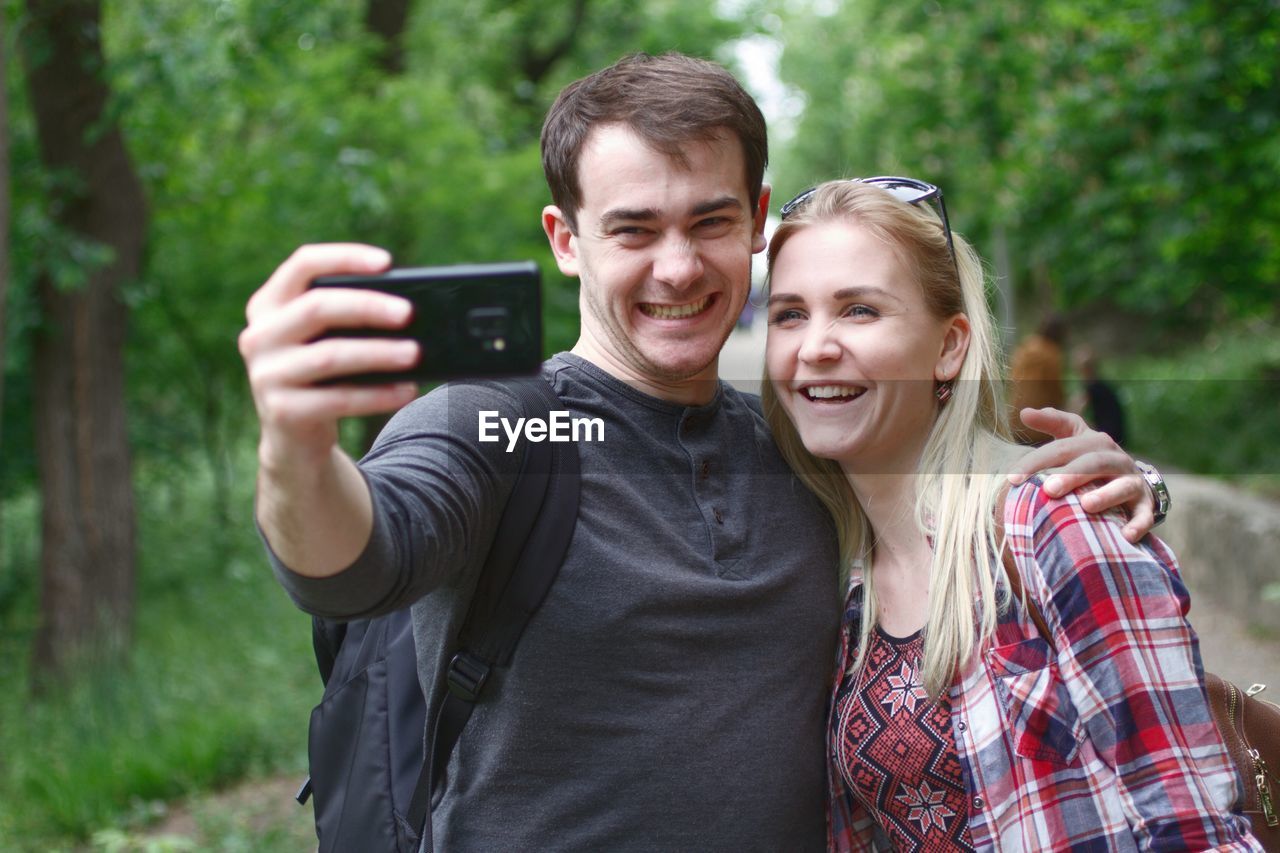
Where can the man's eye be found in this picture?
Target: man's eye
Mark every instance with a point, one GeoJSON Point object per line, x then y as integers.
{"type": "Point", "coordinates": [631, 235]}
{"type": "Point", "coordinates": [715, 224]}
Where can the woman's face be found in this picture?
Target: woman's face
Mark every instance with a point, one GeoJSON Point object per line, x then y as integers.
{"type": "Point", "coordinates": [853, 353]}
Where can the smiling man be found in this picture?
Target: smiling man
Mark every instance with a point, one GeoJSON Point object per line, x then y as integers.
{"type": "Point", "coordinates": [662, 249]}
{"type": "Point", "coordinates": [669, 693]}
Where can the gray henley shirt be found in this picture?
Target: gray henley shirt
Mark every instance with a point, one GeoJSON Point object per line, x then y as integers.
{"type": "Point", "coordinates": [670, 692]}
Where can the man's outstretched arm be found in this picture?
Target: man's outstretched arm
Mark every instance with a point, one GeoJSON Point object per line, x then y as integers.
{"type": "Point", "coordinates": [313, 506]}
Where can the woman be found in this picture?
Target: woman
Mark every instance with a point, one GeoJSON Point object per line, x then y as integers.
{"type": "Point", "coordinates": [954, 722]}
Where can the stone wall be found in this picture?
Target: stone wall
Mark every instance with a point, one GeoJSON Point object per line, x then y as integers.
{"type": "Point", "coordinates": [1228, 542]}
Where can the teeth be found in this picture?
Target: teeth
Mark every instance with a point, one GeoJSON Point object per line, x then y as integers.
{"type": "Point", "coordinates": [827, 392]}
{"type": "Point", "coordinates": [674, 312]}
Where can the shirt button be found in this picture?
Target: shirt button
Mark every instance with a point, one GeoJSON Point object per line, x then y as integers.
{"type": "Point", "coordinates": [977, 804]}
{"type": "Point", "coordinates": [961, 726]}
{"type": "Point", "coordinates": [718, 515]}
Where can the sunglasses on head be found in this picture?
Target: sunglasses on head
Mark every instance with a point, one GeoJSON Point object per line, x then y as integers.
{"type": "Point", "coordinates": [908, 190]}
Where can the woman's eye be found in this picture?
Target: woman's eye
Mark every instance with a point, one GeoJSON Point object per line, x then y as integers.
{"type": "Point", "coordinates": [861, 311]}
{"type": "Point", "coordinates": [785, 316]}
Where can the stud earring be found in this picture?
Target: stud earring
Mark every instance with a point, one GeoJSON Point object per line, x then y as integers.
{"type": "Point", "coordinates": [943, 391]}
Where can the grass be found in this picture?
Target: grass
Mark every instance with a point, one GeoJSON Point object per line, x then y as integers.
{"type": "Point", "coordinates": [218, 687]}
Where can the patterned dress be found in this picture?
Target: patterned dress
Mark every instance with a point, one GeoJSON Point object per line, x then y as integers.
{"type": "Point", "coordinates": [894, 750]}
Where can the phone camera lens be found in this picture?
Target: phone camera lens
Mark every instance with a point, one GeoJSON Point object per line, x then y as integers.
{"type": "Point", "coordinates": [488, 322]}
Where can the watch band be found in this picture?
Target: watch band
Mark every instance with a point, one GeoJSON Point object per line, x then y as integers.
{"type": "Point", "coordinates": [1159, 491]}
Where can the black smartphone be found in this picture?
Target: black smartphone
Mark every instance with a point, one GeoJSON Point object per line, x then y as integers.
{"type": "Point", "coordinates": [471, 320]}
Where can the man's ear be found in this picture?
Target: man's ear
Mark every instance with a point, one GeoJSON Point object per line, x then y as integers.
{"type": "Point", "coordinates": [761, 213]}
{"type": "Point", "coordinates": [955, 345]}
{"type": "Point", "coordinates": [564, 245]}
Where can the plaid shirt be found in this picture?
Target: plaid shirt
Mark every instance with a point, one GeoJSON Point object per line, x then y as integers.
{"type": "Point", "coordinates": [1104, 742]}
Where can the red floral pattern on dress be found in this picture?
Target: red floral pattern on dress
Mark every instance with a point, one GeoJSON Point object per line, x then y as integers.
{"type": "Point", "coordinates": [894, 750]}
{"type": "Point", "coordinates": [904, 691]}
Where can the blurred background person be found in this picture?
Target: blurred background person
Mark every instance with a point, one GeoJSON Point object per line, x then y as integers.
{"type": "Point", "coordinates": [1098, 401]}
{"type": "Point", "coordinates": [1035, 376]}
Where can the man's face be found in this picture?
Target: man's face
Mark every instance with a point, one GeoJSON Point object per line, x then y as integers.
{"type": "Point", "coordinates": [664, 256]}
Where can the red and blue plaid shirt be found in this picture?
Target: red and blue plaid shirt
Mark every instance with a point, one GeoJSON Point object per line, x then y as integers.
{"type": "Point", "coordinates": [1104, 741]}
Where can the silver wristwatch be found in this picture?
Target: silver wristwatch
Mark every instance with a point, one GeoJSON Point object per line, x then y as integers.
{"type": "Point", "coordinates": [1159, 491]}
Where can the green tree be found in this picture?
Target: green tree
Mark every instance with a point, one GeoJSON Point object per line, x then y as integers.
{"type": "Point", "coordinates": [259, 126]}
{"type": "Point", "coordinates": [1126, 151]}
{"type": "Point", "coordinates": [256, 126]}
{"type": "Point", "coordinates": [5, 208]}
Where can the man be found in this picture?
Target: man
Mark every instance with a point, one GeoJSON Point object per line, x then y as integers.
{"type": "Point", "coordinates": [669, 694]}
{"type": "Point", "coordinates": [1099, 403]}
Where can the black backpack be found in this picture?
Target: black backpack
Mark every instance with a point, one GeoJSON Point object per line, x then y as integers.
{"type": "Point", "coordinates": [370, 780]}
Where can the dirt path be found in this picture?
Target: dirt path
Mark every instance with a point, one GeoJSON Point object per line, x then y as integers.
{"type": "Point", "coordinates": [258, 815]}
{"type": "Point", "coordinates": [1233, 652]}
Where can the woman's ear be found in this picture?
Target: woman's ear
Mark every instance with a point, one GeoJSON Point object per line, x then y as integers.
{"type": "Point", "coordinates": [564, 245]}
{"type": "Point", "coordinates": [955, 345]}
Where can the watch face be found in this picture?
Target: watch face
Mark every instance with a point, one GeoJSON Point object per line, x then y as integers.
{"type": "Point", "coordinates": [1150, 474]}
{"type": "Point", "coordinates": [1159, 492]}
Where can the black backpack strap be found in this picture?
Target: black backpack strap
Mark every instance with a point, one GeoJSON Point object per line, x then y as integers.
{"type": "Point", "coordinates": [326, 640]}
{"type": "Point", "coordinates": [523, 561]}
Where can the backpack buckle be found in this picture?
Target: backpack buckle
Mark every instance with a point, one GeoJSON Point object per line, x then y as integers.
{"type": "Point", "coordinates": [467, 675]}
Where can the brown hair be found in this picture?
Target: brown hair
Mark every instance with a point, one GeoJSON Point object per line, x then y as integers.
{"type": "Point", "coordinates": [668, 101]}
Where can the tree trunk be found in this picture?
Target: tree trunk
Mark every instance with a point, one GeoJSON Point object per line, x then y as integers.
{"type": "Point", "coordinates": [1006, 287]}
{"type": "Point", "coordinates": [535, 64]}
{"type": "Point", "coordinates": [5, 209]}
{"type": "Point", "coordinates": [82, 448]}
{"type": "Point", "coordinates": [385, 19]}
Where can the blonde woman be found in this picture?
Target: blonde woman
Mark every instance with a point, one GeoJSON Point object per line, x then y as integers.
{"type": "Point", "coordinates": [954, 724]}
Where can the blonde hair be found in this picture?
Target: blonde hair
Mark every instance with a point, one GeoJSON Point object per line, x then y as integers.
{"type": "Point", "coordinates": [961, 467]}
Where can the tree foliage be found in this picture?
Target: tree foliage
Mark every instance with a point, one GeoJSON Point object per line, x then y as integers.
{"type": "Point", "coordinates": [1129, 149]}
{"type": "Point", "coordinates": [258, 125]}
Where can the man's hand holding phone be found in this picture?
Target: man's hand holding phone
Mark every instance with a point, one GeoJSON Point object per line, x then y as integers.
{"type": "Point", "coordinates": [313, 506]}
{"type": "Point", "coordinates": [333, 333]}
{"type": "Point", "coordinates": [289, 361]}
